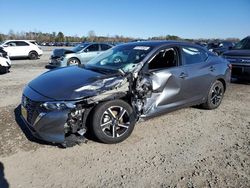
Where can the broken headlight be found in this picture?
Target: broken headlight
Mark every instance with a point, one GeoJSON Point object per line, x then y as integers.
{"type": "Point", "coordinates": [58, 105]}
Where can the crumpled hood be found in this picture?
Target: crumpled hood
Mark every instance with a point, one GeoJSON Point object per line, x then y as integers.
{"type": "Point", "coordinates": [61, 52]}
{"type": "Point", "coordinates": [244, 53]}
{"type": "Point", "coordinates": [71, 83]}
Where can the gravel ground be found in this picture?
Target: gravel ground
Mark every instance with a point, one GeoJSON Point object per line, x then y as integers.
{"type": "Point", "coordinates": [186, 148]}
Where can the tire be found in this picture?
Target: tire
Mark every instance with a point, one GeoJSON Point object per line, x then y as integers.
{"type": "Point", "coordinates": [3, 69]}
{"type": "Point", "coordinates": [112, 121]}
{"type": "Point", "coordinates": [33, 55]}
{"type": "Point", "coordinates": [215, 96]}
{"type": "Point", "coordinates": [73, 61]}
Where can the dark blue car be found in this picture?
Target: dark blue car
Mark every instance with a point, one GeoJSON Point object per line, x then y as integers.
{"type": "Point", "coordinates": [239, 57]}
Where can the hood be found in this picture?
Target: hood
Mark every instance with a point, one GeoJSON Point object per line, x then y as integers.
{"type": "Point", "coordinates": [61, 52]}
{"type": "Point", "coordinates": [71, 83]}
{"type": "Point", "coordinates": [243, 53]}
{"type": "Point", "coordinates": [74, 82]}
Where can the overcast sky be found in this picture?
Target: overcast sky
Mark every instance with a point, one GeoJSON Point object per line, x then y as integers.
{"type": "Point", "coordinates": [133, 18]}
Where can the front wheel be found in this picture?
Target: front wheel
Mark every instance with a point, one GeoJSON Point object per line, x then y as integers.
{"type": "Point", "coordinates": [73, 61]}
{"type": "Point", "coordinates": [33, 55]}
{"type": "Point", "coordinates": [113, 121]}
{"type": "Point", "coordinates": [215, 95]}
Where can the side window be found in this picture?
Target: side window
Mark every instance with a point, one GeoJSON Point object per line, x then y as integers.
{"type": "Point", "coordinates": [11, 44]}
{"type": "Point", "coordinates": [21, 43]}
{"type": "Point", "coordinates": [193, 55]}
{"type": "Point", "coordinates": [166, 58]}
{"type": "Point", "coordinates": [105, 47]}
{"type": "Point", "coordinates": [92, 48]}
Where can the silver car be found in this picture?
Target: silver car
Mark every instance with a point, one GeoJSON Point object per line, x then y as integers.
{"type": "Point", "coordinates": [80, 54]}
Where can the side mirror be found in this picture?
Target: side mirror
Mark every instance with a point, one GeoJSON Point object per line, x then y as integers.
{"type": "Point", "coordinates": [86, 50]}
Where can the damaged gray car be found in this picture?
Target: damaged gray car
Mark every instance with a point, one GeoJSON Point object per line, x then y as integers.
{"type": "Point", "coordinates": [128, 83]}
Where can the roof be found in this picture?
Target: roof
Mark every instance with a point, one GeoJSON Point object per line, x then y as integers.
{"type": "Point", "coordinates": [157, 43]}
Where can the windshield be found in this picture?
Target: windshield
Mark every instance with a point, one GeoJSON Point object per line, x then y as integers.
{"type": "Point", "coordinates": [243, 44]}
{"type": "Point", "coordinates": [79, 47]}
{"type": "Point", "coordinates": [124, 57]}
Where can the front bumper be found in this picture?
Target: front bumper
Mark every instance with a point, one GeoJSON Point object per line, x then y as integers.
{"type": "Point", "coordinates": [47, 126]}
{"type": "Point", "coordinates": [43, 124]}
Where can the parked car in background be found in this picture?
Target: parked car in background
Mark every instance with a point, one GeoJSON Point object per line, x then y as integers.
{"type": "Point", "coordinates": [5, 62]}
{"type": "Point", "coordinates": [80, 54]}
{"type": "Point", "coordinates": [22, 48]}
{"type": "Point", "coordinates": [239, 57]}
{"type": "Point", "coordinates": [107, 97]}
{"type": "Point", "coordinates": [219, 47]}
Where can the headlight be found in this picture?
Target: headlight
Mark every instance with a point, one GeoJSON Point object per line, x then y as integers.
{"type": "Point", "coordinates": [58, 105]}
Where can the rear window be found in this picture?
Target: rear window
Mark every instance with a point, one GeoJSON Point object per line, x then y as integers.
{"type": "Point", "coordinates": [33, 42]}
{"type": "Point", "coordinates": [244, 44]}
{"type": "Point", "coordinates": [21, 43]}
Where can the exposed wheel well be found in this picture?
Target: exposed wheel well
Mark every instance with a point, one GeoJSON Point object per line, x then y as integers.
{"type": "Point", "coordinates": [33, 51]}
{"type": "Point", "coordinates": [223, 82]}
{"type": "Point", "coordinates": [74, 58]}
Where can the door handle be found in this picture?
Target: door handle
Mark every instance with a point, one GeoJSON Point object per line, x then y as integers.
{"type": "Point", "coordinates": [212, 68]}
{"type": "Point", "coordinates": [183, 75]}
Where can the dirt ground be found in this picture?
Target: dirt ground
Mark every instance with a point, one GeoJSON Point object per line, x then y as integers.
{"type": "Point", "coordinates": [186, 148]}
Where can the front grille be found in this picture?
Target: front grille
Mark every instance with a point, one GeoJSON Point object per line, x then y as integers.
{"type": "Point", "coordinates": [55, 61]}
{"type": "Point", "coordinates": [3, 53]}
{"type": "Point", "coordinates": [32, 108]}
{"type": "Point", "coordinates": [238, 59]}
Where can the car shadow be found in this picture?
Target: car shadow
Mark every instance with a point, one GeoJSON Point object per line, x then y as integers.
{"type": "Point", "coordinates": [26, 131]}
{"type": "Point", "coordinates": [3, 182]}
{"type": "Point", "coordinates": [22, 58]}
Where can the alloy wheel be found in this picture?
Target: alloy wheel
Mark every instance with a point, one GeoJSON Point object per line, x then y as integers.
{"type": "Point", "coordinates": [115, 121]}
{"type": "Point", "coordinates": [216, 95]}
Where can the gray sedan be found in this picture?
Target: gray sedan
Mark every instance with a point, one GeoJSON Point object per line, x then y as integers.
{"type": "Point", "coordinates": [80, 54]}
{"type": "Point", "coordinates": [129, 82]}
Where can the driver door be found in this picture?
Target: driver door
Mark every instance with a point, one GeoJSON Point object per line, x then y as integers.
{"type": "Point", "coordinates": [90, 52]}
{"type": "Point", "coordinates": [167, 79]}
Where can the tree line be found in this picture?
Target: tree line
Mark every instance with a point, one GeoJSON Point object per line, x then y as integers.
{"type": "Point", "coordinates": [91, 37]}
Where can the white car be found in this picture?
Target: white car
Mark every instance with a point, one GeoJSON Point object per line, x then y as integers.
{"type": "Point", "coordinates": [22, 48]}
{"type": "Point", "coordinates": [5, 62]}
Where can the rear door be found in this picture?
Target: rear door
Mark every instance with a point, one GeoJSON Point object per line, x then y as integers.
{"type": "Point", "coordinates": [199, 73]}
{"type": "Point", "coordinates": [23, 48]}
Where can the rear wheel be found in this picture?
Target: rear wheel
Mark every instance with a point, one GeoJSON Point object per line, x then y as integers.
{"type": "Point", "coordinates": [113, 121]}
{"type": "Point", "coordinates": [3, 69]}
{"type": "Point", "coordinates": [33, 55]}
{"type": "Point", "coordinates": [73, 61]}
{"type": "Point", "coordinates": [215, 95]}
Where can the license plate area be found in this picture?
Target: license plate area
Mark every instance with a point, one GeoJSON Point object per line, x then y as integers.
{"type": "Point", "coordinates": [24, 113]}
